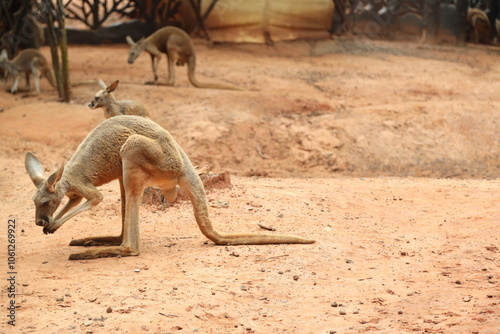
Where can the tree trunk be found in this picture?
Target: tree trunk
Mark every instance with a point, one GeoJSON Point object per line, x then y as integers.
{"type": "Point", "coordinates": [63, 44]}
{"type": "Point", "coordinates": [53, 42]}
{"type": "Point", "coordinates": [461, 6]}
{"type": "Point", "coordinates": [430, 23]}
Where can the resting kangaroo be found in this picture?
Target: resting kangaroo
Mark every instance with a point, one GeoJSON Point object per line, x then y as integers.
{"type": "Point", "coordinates": [139, 153]}
{"type": "Point", "coordinates": [178, 47]}
{"type": "Point", "coordinates": [29, 61]}
{"type": "Point", "coordinates": [105, 99]}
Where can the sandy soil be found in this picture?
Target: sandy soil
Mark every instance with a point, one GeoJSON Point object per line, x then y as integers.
{"type": "Point", "coordinates": [387, 154]}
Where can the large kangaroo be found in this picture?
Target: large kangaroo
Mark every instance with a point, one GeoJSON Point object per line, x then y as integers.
{"type": "Point", "coordinates": [28, 61]}
{"type": "Point", "coordinates": [139, 153]}
{"type": "Point", "coordinates": [178, 47]}
{"type": "Point", "coordinates": [105, 99]}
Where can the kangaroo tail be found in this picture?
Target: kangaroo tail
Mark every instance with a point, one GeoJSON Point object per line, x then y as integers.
{"type": "Point", "coordinates": [191, 66]}
{"type": "Point", "coordinates": [191, 183]}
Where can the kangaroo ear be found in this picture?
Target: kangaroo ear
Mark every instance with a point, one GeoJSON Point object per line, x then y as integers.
{"type": "Point", "coordinates": [113, 86]}
{"type": "Point", "coordinates": [129, 40]}
{"type": "Point", "coordinates": [102, 84]}
{"type": "Point", "coordinates": [54, 178]}
{"type": "Point", "coordinates": [34, 169]}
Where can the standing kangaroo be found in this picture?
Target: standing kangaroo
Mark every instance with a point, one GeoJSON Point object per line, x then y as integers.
{"type": "Point", "coordinates": [28, 61]}
{"type": "Point", "coordinates": [139, 153]}
{"type": "Point", "coordinates": [105, 99]}
{"type": "Point", "coordinates": [178, 47]}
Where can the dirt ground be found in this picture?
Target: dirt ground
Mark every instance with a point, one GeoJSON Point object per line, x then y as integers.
{"type": "Point", "coordinates": [387, 154]}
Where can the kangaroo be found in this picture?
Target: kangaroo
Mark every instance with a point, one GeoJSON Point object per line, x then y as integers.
{"type": "Point", "coordinates": [105, 99]}
{"type": "Point", "coordinates": [178, 47]}
{"type": "Point", "coordinates": [138, 153]}
{"type": "Point", "coordinates": [28, 61]}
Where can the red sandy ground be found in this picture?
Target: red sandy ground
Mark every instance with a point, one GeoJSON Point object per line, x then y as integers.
{"type": "Point", "coordinates": [387, 154]}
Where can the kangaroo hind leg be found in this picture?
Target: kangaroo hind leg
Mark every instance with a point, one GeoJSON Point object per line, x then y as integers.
{"type": "Point", "coordinates": [139, 155]}
{"type": "Point", "coordinates": [104, 240]}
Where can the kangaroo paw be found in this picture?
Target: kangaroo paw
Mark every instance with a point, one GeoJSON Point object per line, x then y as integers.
{"type": "Point", "coordinates": [111, 251]}
{"type": "Point", "coordinates": [97, 241]}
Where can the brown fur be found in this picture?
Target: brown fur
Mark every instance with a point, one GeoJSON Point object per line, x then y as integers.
{"type": "Point", "coordinates": [139, 153]}
{"type": "Point", "coordinates": [30, 62]}
{"type": "Point", "coordinates": [178, 47]}
{"type": "Point", "coordinates": [480, 26]}
{"type": "Point", "coordinates": [106, 100]}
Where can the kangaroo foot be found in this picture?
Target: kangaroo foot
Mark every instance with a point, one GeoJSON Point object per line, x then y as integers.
{"type": "Point", "coordinates": [97, 241]}
{"type": "Point", "coordinates": [111, 251]}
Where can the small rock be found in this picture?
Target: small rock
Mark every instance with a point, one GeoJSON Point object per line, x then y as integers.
{"type": "Point", "coordinates": [295, 277]}
{"type": "Point", "coordinates": [342, 312]}
{"type": "Point", "coordinates": [355, 312]}
{"type": "Point", "coordinates": [109, 310]}
{"type": "Point", "coordinates": [280, 272]}
{"type": "Point", "coordinates": [400, 312]}
{"type": "Point", "coordinates": [137, 270]}
{"type": "Point", "coordinates": [220, 204]}
{"type": "Point", "coordinates": [334, 304]}
{"type": "Point", "coordinates": [349, 261]}
{"type": "Point", "coordinates": [244, 287]}
{"type": "Point", "coordinates": [467, 299]}
{"type": "Point", "coordinates": [489, 296]}
{"type": "Point", "coordinates": [88, 323]}
{"type": "Point", "coordinates": [458, 282]}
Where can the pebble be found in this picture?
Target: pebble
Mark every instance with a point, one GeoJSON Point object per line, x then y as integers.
{"type": "Point", "coordinates": [244, 287]}
{"type": "Point", "coordinates": [88, 323]}
{"type": "Point", "coordinates": [342, 312]}
{"type": "Point", "coordinates": [109, 310]}
{"type": "Point", "coordinates": [296, 277]}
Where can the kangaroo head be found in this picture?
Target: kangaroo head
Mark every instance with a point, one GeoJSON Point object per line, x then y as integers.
{"type": "Point", "coordinates": [102, 96]}
{"type": "Point", "coordinates": [135, 49]}
{"type": "Point", "coordinates": [46, 198]}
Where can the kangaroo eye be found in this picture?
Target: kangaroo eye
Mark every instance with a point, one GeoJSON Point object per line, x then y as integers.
{"type": "Point", "coordinates": [46, 203]}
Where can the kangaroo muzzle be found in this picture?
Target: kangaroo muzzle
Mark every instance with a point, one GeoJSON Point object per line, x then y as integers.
{"type": "Point", "coordinates": [43, 221]}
